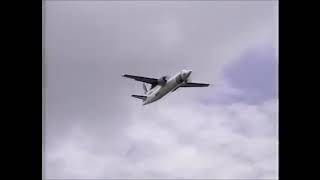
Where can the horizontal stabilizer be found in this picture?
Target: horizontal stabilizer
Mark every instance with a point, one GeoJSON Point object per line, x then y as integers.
{"type": "Point", "coordinates": [140, 97]}
{"type": "Point", "coordinates": [189, 84]}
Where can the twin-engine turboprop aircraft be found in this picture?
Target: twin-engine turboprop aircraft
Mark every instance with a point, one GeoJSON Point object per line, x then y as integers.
{"type": "Point", "coordinates": [162, 86]}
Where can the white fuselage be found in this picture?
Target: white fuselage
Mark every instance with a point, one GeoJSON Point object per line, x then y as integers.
{"type": "Point", "coordinates": [172, 84]}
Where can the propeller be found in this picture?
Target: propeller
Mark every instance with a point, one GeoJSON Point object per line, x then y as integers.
{"type": "Point", "coordinates": [163, 80]}
{"type": "Point", "coordinates": [166, 78]}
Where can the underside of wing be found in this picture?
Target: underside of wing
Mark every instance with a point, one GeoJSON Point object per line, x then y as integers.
{"type": "Point", "coordinates": [152, 81]}
{"type": "Point", "coordinates": [195, 85]}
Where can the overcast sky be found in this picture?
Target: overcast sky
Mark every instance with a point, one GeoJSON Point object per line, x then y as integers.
{"type": "Point", "coordinates": [94, 129]}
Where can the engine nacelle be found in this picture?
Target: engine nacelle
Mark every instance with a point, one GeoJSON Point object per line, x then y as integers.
{"type": "Point", "coordinates": [162, 81]}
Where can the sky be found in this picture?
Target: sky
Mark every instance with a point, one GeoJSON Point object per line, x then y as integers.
{"type": "Point", "coordinates": [93, 129]}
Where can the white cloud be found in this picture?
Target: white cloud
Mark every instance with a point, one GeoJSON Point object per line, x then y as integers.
{"type": "Point", "coordinates": [180, 141]}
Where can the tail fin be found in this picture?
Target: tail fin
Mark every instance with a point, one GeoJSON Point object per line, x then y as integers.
{"type": "Point", "coordinates": [140, 97]}
{"type": "Point", "coordinates": [144, 88]}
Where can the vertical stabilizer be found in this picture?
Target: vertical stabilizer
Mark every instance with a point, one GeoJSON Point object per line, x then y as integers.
{"type": "Point", "coordinates": [144, 88]}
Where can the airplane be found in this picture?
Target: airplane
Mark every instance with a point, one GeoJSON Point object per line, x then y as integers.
{"type": "Point", "coordinates": [164, 85]}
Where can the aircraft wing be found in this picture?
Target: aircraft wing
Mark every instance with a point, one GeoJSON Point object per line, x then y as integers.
{"type": "Point", "coordinates": [194, 85]}
{"type": "Point", "coordinates": [152, 81]}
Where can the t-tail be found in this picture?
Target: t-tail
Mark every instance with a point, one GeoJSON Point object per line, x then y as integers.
{"type": "Point", "coordinates": [142, 97]}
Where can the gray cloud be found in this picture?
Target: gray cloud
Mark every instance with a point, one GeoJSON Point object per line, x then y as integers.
{"type": "Point", "coordinates": [251, 78]}
{"type": "Point", "coordinates": [94, 129]}
{"type": "Point", "coordinates": [255, 74]}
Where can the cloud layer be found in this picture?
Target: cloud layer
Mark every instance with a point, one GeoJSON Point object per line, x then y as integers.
{"type": "Point", "coordinates": [192, 141]}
